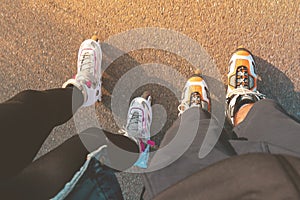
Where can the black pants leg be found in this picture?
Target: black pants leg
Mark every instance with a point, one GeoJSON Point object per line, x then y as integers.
{"type": "Point", "coordinates": [268, 122]}
{"type": "Point", "coordinates": [26, 121]}
{"type": "Point", "coordinates": [46, 176]}
{"type": "Point", "coordinates": [38, 112]}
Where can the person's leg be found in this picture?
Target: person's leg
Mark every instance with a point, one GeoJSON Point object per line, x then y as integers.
{"type": "Point", "coordinates": [250, 176]}
{"type": "Point", "coordinates": [42, 178]}
{"type": "Point", "coordinates": [242, 113]}
{"type": "Point", "coordinates": [259, 120]}
{"type": "Point", "coordinates": [26, 121]}
{"type": "Point", "coordinates": [46, 176]}
{"type": "Point", "coordinates": [28, 118]}
{"type": "Point", "coordinates": [188, 162]}
{"type": "Point", "coordinates": [267, 121]}
{"type": "Point", "coordinates": [178, 156]}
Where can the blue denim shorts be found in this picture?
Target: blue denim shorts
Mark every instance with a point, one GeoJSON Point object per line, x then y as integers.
{"type": "Point", "coordinates": [92, 181]}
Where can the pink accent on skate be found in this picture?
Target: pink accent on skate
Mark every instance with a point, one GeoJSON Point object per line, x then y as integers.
{"type": "Point", "coordinates": [142, 145]}
{"type": "Point", "coordinates": [89, 84]}
{"type": "Point", "coordinates": [151, 143]}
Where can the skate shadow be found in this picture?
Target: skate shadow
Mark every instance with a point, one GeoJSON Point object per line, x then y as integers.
{"type": "Point", "coordinates": [276, 85]}
{"type": "Point", "coordinates": [120, 66]}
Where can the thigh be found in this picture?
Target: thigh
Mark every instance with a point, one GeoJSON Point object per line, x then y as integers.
{"type": "Point", "coordinates": [180, 158]}
{"type": "Point", "coordinates": [46, 176]}
{"type": "Point", "coordinates": [26, 121]}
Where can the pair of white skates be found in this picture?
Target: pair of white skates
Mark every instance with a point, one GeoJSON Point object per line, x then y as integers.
{"type": "Point", "coordinates": [88, 81]}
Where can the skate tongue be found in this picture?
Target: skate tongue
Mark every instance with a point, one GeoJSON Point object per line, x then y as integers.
{"type": "Point", "coordinates": [195, 99]}
{"type": "Point", "coordinates": [86, 64]}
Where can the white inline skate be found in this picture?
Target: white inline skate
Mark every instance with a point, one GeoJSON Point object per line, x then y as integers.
{"type": "Point", "coordinates": [139, 119]}
{"type": "Point", "coordinates": [88, 77]}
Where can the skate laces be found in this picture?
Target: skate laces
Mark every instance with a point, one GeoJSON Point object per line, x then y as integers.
{"type": "Point", "coordinates": [195, 100]}
{"type": "Point", "coordinates": [131, 129]}
{"type": "Point", "coordinates": [86, 67]}
{"type": "Point", "coordinates": [133, 124]}
{"type": "Point", "coordinates": [242, 79]}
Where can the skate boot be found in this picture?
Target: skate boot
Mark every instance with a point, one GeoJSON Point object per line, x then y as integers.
{"type": "Point", "coordinates": [139, 119]}
{"type": "Point", "coordinates": [195, 94]}
{"type": "Point", "coordinates": [88, 77]}
{"type": "Point", "coordinates": [242, 83]}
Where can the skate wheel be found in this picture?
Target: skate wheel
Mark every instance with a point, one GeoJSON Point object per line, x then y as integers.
{"type": "Point", "coordinates": [95, 38]}
{"type": "Point", "coordinates": [197, 72]}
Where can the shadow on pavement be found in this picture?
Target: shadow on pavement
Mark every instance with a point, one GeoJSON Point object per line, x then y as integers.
{"type": "Point", "coordinates": [276, 85]}
{"type": "Point", "coordinates": [160, 94]}
{"type": "Point", "coordinates": [117, 67]}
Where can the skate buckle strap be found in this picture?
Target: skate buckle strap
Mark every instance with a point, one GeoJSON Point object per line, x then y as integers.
{"type": "Point", "coordinates": [149, 142]}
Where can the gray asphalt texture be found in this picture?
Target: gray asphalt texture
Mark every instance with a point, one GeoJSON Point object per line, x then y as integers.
{"type": "Point", "coordinates": [40, 39]}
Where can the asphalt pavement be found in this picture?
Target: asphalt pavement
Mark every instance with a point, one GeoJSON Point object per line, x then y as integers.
{"type": "Point", "coordinates": [40, 39]}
